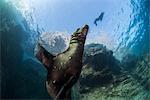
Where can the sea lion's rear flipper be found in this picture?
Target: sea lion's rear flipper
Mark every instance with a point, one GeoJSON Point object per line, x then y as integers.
{"type": "Point", "coordinates": [44, 56]}
{"type": "Point", "coordinates": [65, 91]}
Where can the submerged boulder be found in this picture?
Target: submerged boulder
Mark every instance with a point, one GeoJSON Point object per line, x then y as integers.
{"type": "Point", "coordinates": [140, 69]}
{"type": "Point", "coordinates": [99, 57]}
{"type": "Point", "coordinates": [105, 78]}
{"type": "Point", "coordinates": [100, 67]}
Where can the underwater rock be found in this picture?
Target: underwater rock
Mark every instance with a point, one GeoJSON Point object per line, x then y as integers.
{"type": "Point", "coordinates": [99, 67]}
{"type": "Point", "coordinates": [54, 43]}
{"type": "Point", "coordinates": [139, 67]}
{"type": "Point", "coordinates": [102, 83]}
{"type": "Point", "coordinates": [99, 57]}
{"type": "Point", "coordinates": [141, 71]}
{"type": "Point", "coordinates": [129, 61]}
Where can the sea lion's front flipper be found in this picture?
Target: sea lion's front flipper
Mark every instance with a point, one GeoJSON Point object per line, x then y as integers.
{"type": "Point", "coordinates": [44, 56]}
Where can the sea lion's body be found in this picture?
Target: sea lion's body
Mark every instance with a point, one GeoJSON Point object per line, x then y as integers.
{"type": "Point", "coordinates": [65, 68]}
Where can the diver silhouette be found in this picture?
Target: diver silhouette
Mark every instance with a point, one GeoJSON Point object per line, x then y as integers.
{"type": "Point", "coordinates": [99, 18]}
{"type": "Point", "coordinates": [65, 68]}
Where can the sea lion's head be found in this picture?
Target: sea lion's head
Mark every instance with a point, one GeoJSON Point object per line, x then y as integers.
{"type": "Point", "coordinates": [80, 35]}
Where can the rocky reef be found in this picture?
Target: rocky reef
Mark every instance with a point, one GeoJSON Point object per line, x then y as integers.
{"type": "Point", "coordinates": [103, 77]}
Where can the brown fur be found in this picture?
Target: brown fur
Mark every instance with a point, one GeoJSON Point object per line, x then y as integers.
{"type": "Point", "coordinates": [65, 68]}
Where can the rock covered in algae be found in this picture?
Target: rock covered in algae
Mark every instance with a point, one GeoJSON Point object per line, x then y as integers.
{"type": "Point", "coordinates": [101, 81]}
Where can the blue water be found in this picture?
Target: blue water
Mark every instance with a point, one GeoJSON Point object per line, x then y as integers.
{"type": "Point", "coordinates": [136, 38]}
{"type": "Point", "coordinates": [124, 29]}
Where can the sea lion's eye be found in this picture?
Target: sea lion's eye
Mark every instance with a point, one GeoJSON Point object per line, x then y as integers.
{"type": "Point", "coordinates": [77, 29]}
{"type": "Point", "coordinates": [54, 81]}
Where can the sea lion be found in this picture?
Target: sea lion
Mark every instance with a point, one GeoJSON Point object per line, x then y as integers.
{"type": "Point", "coordinates": [65, 68]}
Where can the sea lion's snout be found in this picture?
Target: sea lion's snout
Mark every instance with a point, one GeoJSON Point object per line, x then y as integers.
{"type": "Point", "coordinates": [86, 27]}
{"type": "Point", "coordinates": [80, 34]}
{"type": "Point", "coordinates": [84, 30]}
